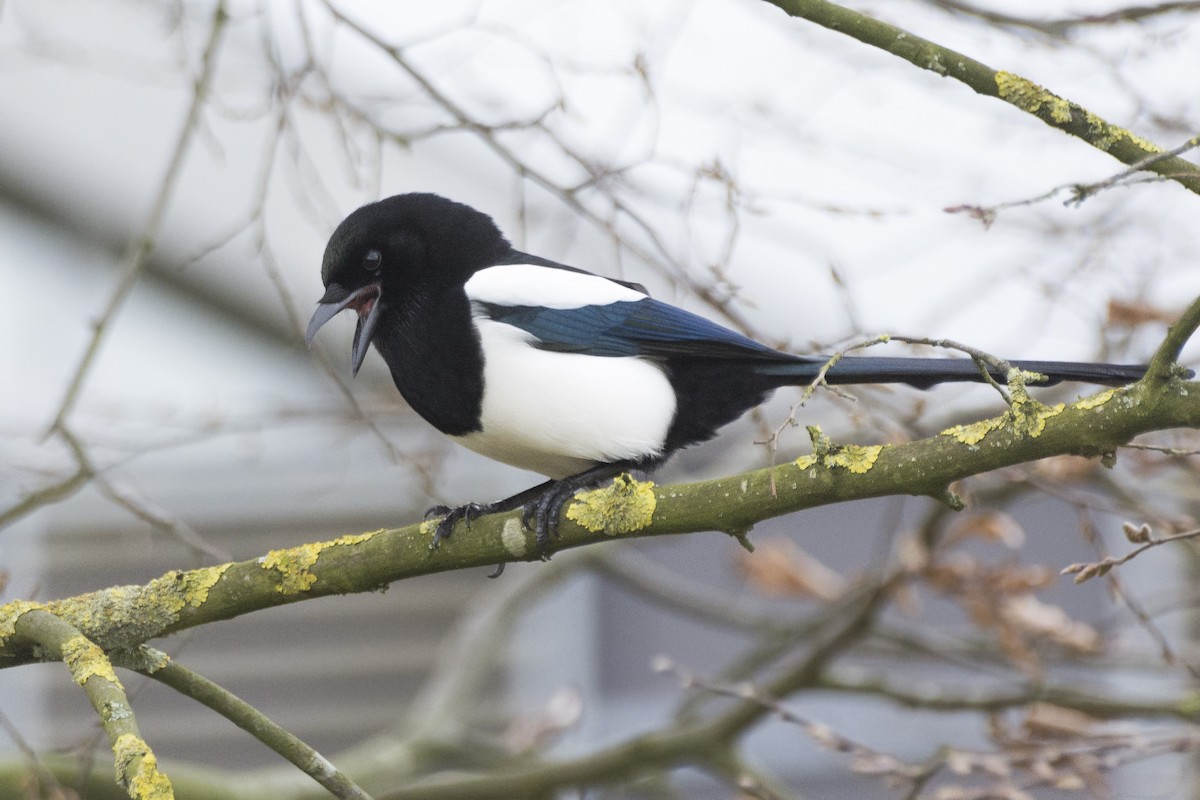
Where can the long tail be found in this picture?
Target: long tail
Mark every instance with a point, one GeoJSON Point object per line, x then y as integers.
{"type": "Point", "coordinates": [925, 372]}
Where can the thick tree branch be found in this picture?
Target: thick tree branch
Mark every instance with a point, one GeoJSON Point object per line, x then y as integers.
{"type": "Point", "coordinates": [124, 617]}
{"type": "Point", "coordinates": [1097, 425]}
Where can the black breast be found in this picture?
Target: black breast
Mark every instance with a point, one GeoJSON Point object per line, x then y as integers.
{"type": "Point", "coordinates": [431, 347]}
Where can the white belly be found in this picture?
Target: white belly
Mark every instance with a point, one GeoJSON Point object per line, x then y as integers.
{"type": "Point", "coordinates": [561, 413]}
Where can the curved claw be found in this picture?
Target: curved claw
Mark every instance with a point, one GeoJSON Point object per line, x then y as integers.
{"type": "Point", "coordinates": [438, 511]}
{"type": "Point", "coordinates": [450, 516]}
{"type": "Point", "coordinates": [543, 513]}
{"type": "Point", "coordinates": [542, 505]}
{"type": "Point", "coordinates": [444, 529]}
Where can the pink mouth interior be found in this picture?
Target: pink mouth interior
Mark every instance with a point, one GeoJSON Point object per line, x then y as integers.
{"type": "Point", "coordinates": [365, 300]}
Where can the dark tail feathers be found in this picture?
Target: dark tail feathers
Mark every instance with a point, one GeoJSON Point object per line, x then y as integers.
{"type": "Point", "coordinates": [925, 372]}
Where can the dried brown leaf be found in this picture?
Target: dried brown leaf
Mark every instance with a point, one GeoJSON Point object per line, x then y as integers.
{"type": "Point", "coordinates": [913, 554]}
{"type": "Point", "coordinates": [1048, 721]}
{"type": "Point", "coordinates": [992, 526]}
{"type": "Point", "coordinates": [1132, 313]}
{"type": "Point", "coordinates": [1031, 617]}
{"type": "Point", "coordinates": [866, 763]}
{"type": "Point", "coordinates": [780, 567]}
{"type": "Point", "coordinates": [1066, 469]}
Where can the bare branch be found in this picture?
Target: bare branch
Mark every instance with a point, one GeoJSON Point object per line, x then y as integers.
{"type": "Point", "coordinates": [156, 664]}
{"type": "Point", "coordinates": [1020, 92]}
{"type": "Point", "coordinates": [145, 245]}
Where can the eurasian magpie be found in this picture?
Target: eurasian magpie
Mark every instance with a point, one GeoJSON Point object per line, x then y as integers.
{"type": "Point", "coordinates": [553, 369]}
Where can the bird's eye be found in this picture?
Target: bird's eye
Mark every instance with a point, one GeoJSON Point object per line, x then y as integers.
{"type": "Point", "coordinates": [372, 261]}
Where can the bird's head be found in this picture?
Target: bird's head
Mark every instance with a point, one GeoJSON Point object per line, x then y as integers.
{"type": "Point", "coordinates": [399, 248]}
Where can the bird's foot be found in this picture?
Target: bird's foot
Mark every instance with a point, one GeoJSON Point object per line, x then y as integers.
{"type": "Point", "coordinates": [542, 514]}
{"type": "Point", "coordinates": [450, 515]}
{"type": "Point", "coordinates": [541, 505]}
{"type": "Point", "coordinates": [543, 511]}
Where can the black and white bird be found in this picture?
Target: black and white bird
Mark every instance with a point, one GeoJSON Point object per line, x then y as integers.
{"type": "Point", "coordinates": [559, 371]}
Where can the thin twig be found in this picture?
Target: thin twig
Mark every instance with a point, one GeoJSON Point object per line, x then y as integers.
{"type": "Point", "coordinates": [155, 664]}
{"type": "Point", "coordinates": [1087, 570]}
{"type": "Point", "coordinates": [146, 243]}
{"type": "Point", "coordinates": [1081, 191]}
{"type": "Point", "coordinates": [658, 256]}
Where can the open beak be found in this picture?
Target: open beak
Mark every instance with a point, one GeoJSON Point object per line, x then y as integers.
{"type": "Point", "coordinates": [365, 301]}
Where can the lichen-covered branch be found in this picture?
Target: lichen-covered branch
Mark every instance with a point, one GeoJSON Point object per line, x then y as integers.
{"type": "Point", "coordinates": [81, 629]}
{"type": "Point", "coordinates": [1093, 426]}
{"type": "Point", "coordinates": [136, 767]}
{"type": "Point", "coordinates": [1058, 112]}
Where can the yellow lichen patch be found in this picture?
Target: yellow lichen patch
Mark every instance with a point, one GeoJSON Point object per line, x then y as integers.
{"type": "Point", "coordinates": [293, 565]}
{"type": "Point", "coordinates": [1095, 400]}
{"type": "Point", "coordinates": [624, 506]}
{"type": "Point", "coordinates": [355, 538]}
{"type": "Point", "coordinates": [1018, 379]}
{"type": "Point", "coordinates": [1028, 96]}
{"type": "Point", "coordinates": [1145, 144]}
{"type": "Point", "coordinates": [807, 462]}
{"type": "Point", "coordinates": [197, 582]}
{"type": "Point", "coordinates": [86, 660]}
{"type": "Point", "coordinates": [973, 433]}
{"type": "Point", "coordinates": [853, 457]}
{"type": "Point", "coordinates": [856, 458]}
{"type": "Point", "coordinates": [1030, 417]}
{"type": "Point", "coordinates": [10, 613]}
{"type": "Point", "coordinates": [166, 591]}
{"type": "Point", "coordinates": [179, 588]}
{"type": "Point", "coordinates": [126, 614]}
{"type": "Point", "coordinates": [1104, 135]}
{"type": "Point", "coordinates": [1100, 133]}
{"type": "Point", "coordinates": [137, 769]}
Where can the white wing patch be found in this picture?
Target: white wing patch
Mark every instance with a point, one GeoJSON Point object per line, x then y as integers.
{"type": "Point", "coordinates": [561, 413]}
{"type": "Point", "coordinates": [532, 285]}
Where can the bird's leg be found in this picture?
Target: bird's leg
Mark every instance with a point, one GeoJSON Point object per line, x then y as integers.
{"type": "Point", "coordinates": [542, 513]}
{"type": "Point", "coordinates": [543, 503]}
{"type": "Point", "coordinates": [452, 514]}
